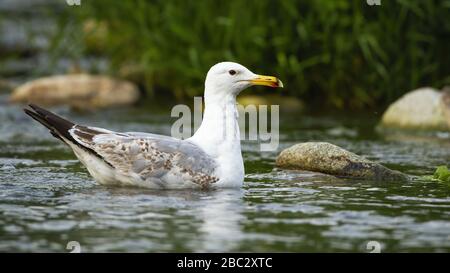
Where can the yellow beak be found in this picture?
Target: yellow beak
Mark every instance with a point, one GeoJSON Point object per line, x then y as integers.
{"type": "Point", "coordinates": [266, 81]}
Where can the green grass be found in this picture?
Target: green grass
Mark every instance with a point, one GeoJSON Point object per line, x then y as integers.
{"type": "Point", "coordinates": [338, 53]}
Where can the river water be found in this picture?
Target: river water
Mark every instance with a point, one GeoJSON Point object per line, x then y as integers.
{"type": "Point", "coordinates": [47, 199]}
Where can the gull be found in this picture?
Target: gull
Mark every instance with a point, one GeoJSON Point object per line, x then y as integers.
{"type": "Point", "coordinates": [211, 158]}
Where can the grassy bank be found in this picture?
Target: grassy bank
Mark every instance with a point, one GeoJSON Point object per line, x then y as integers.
{"type": "Point", "coordinates": [339, 53]}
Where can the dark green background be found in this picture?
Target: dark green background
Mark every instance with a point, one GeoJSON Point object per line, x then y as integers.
{"type": "Point", "coordinates": [339, 53]}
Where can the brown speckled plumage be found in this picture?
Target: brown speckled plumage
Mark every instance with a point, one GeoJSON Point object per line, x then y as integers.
{"type": "Point", "coordinates": [149, 157]}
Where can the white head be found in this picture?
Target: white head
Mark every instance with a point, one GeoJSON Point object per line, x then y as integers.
{"type": "Point", "coordinates": [231, 78]}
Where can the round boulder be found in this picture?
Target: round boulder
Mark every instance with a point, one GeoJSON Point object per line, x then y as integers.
{"type": "Point", "coordinates": [422, 109]}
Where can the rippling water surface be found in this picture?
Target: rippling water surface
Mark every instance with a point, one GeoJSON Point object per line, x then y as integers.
{"type": "Point", "coordinates": [47, 198]}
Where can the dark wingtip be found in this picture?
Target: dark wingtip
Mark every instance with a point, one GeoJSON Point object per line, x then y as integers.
{"type": "Point", "coordinates": [27, 111]}
{"type": "Point", "coordinates": [30, 112]}
{"type": "Point", "coordinates": [34, 107]}
{"type": "Point", "coordinates": [29, 105]}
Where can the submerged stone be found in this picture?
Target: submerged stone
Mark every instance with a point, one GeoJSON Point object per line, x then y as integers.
{"type": "Point", "coordinates": [330, 159]}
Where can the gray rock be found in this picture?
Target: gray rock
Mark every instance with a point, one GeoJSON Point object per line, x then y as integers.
{"type": "Point", "coordinates": [77, 90]}
{"type": "Point", "coordinates": [330, 159]}
{"type": "Point", "coordinates": [422, 109]}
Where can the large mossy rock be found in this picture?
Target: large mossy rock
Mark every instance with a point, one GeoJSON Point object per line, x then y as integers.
{"type": "Point", "coordinates": [327, 158]}
{"type": "Point", "coordinates": [422, 109]}
{"type": "Point", "coordinates": [77, 90]}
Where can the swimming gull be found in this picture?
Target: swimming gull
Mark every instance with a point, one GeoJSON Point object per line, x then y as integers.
{"type": "Point", "coordinates": [211, 158]}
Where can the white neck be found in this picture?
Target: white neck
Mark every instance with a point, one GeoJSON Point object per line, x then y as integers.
{"type": "Point", "coordinates": [220, 125]}
{"type": "Point", "coordinates": [219, 134]}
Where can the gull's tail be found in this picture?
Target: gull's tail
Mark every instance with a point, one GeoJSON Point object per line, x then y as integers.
{"type": "Point", "coordinates": [58, 126]}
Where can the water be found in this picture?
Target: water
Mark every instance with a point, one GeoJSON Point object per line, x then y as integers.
{"type": "Point", "coordinates": [47, 198]}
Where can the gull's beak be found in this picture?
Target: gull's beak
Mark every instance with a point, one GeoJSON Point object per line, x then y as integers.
{"type": "Point", "coordinates": [266, 81]}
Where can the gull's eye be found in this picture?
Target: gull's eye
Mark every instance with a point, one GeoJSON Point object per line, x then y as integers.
{"type": "Point", "coordinates": [232, 72]}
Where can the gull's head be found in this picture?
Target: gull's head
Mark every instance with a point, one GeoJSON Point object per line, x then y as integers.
{"type": "Point", "coordinates": [232, 78]}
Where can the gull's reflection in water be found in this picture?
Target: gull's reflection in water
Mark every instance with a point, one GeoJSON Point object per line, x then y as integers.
{"type": "Point", "coordinates": [221, 214]}
{"type": "Point", "coordinates": [202, 221]}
